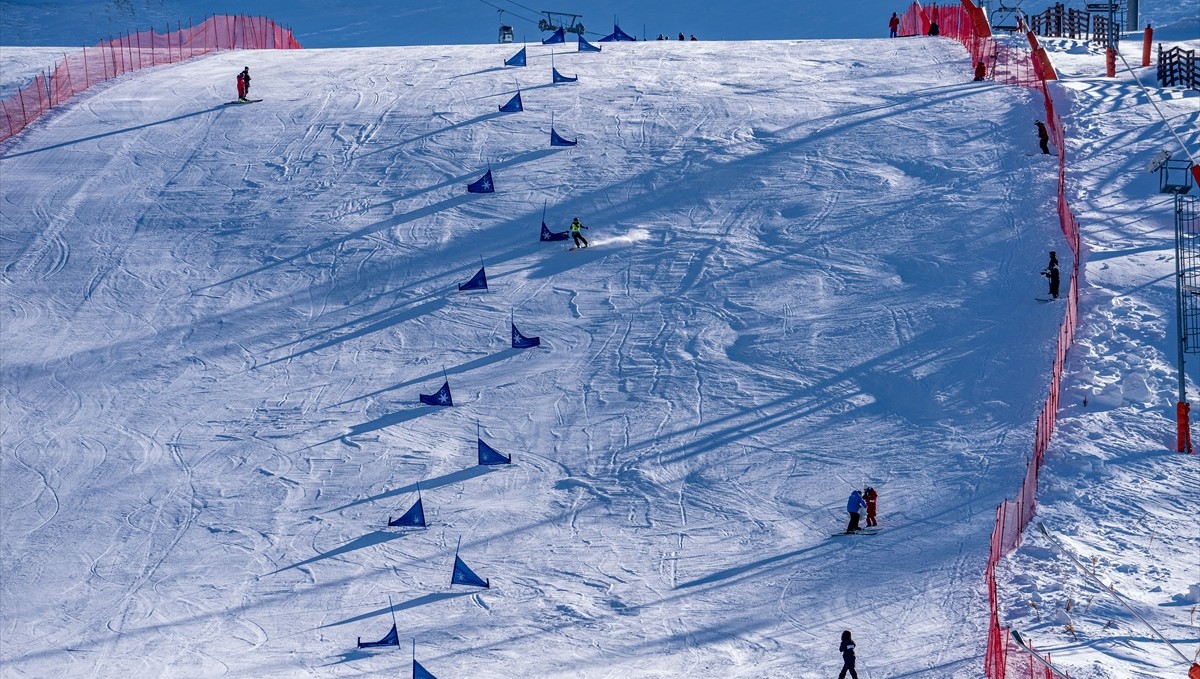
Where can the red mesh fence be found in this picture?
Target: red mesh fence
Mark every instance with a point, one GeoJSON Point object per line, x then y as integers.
{"type": "Point", "coordinates": [111, 58]}
{"type": "Point", "coordinates": [1006, 64]}
{"type": "Point", "coordinates": [1014, 66]}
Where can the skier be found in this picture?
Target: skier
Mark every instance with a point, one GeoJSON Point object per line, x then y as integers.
{"type": "Point", "coordinates": [692, 37]}
{"type": "Point", "coordinates": [870, 497]}
{"type": "Point", "coordinates": [1043, 136]}
{"type": "Point", "coordinates": [980, 71]}
{"type": "Point", "coordinates": [1051, 272]}
{"type": "Point", "coordinates": [681, 36]}
{"type": "Point", "coordinates": [854, 506]}
{"type": "Point", "coordinates": [894, 24]}
{"type": "Point", "coordinates": [243, 84]}
{"type": "Point", "coordinates": [847, 650]}
{"type": "Point", "coordinates": [933, 28]}
{"type": "Point", "coordinates": [576, 235]}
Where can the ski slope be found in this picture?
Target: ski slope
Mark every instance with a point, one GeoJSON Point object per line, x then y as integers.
{"type": "Point", "coordinates": [813, 268]}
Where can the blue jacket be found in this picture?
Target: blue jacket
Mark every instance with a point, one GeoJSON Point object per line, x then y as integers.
{"type": "Point", "coordinates": [856, 503]}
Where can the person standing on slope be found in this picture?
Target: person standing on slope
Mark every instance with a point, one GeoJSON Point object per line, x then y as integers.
{"type": "Point", "coordinates": [870, 497]}
{"type": "Point", "coordinates": [243, 84]}
{"type": "Point", "coordinates": [576, 225]}
{"type": "Point", "coordinates": [980, 71]}
{"type": "Point", "coordinates": [854, 506]}
{"type": "Point", "coordinates": [1051, 272]}
{"type": "Point", "coordinates": [1043, 136]}
{"type": "Point", "coordinates": [847, 650]}
{"type": "Point", "coordinates": [894, 24]}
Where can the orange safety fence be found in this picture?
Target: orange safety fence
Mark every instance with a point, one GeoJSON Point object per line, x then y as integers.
{"type": "Point", "coordinates": [1012, 65]}
{"type": "Point", "coordinates": [111, 58]}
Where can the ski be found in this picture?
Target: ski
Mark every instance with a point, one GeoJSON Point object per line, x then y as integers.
{"type": "Point", "coordinates": [239, 101]}
{"type": "Point", "coordinates": [1046, 299]}
{"type": "Point", "coordinates": [857, 532]}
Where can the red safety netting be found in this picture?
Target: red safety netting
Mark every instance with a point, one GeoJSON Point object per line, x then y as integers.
{"type": "Point", "coordinates": [109, 59]}
{"type": "Point", "coordinates": [1006, 64]}
{"type": "Point", "coordinates": [1011, 65]}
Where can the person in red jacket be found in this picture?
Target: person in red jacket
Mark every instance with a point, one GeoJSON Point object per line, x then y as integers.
{"type": "Point", "coordinates": [894, 24]}
{"type": "Point", "coordinates": [871, 497]}
{"type": "Point", "coordinates": [243, 83]}
{"type": "Point", "coordinates": [980, 71]}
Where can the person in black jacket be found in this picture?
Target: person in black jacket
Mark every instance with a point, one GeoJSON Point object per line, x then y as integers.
{"type": "Point", "coordinates": [847, 649]}
{"type": "Point", "coordinates": [1043, 136]}
{"type": "Point", "coordinates": [1051, 272]}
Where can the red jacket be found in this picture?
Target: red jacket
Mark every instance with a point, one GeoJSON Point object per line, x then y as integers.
{"type": "Point", "coordinates": [871, 498]}
{"type": "Point", "coordinates": [894, 23]}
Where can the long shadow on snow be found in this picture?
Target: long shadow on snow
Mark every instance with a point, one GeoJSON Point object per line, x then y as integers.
{"type": "Point", "coordinates": [434, 133]}
{"type": "Point", "coordinates": [114, 133]}
{"type": "Point", "coordinates": [497, 357]}
{"type": "Point", "coordinates": [411, 603]}
{"type": "Point", "coordinates": [382, 324]}
{"type": "Point", "coordinates": [369, 540]}
{"type": "Point", "coordinates": [397, 219]}
{"type": "Point", "coordinates": [428, 484]}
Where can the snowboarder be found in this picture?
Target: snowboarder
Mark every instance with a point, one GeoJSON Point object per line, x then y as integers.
{"type": "Point", "coordinates": [1043, 136]}
{"type": "Point", "coordinates": [692, 38]}
{"type": "Point", "coordinates": [681, 36]}
{"type": "Point", "coordinates": [847, 650]}
{"type": "Point", "coordinates": [933, 28]}
{"type": "Point", "coordinates": [1051, 272]}
{"type": "Point", "coordinates": [854, 506]}
{"type": "Point", "coordinates": [894, 24]}
{"type": "Point", "coordinates": [576, 235]}
{"type": "Point", "coordinates": [870, 497]}
{"type": "Point", "coordinates": [243, 84]}
{"type": "Point", "coordinates": [980, 71]}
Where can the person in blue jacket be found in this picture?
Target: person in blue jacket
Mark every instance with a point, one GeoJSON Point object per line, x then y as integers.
{"type": "Point", "coordinates": [855, 505]}
{"type": "Point", "coordinates": [847, 649]}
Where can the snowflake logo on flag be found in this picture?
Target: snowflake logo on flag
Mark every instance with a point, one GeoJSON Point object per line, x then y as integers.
{"type": "Point", "coordinates": [486, 185]}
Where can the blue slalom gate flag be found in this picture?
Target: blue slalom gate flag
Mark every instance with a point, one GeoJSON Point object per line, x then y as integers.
{"type": "Point", "coordinates": [415, 516]}
{"type": "Point", "coordinates": [517, 59]}
{"type": "Point", "coordinates": [559, 37]}
{"type": "Point", "coordinates": [419, 672]}
{"type": "Point", "coordinates": [477, 282]}
{"type": "Point", "coordinates": [557, 77]}
{"type": "Point", "coordinates": [618, 36]}
{"type": "Point", "coordinates": [558, 140]}
{"type": "Point", "coordinates": [483, 184]}
{"type": "Point", "coordinates": [490, 456]}
{"type": "Point", "coordinates": [513, 105]}
{"type": "Point", "coordinates": [463, 575]}
{"type": "Point", "coordinates": [441, 398]}
{"type": "Point", "coordinates": [547, 234]}
{"type": "Point", "coordinates": [392, 639]}
{"type": "Point", "coordinates": [520, 341]}
{"type": "Point", "coordinates": [585, 46]}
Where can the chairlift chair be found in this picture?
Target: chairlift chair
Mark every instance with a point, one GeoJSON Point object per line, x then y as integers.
{"type": "Point", "coordinates": [553, 21]}
{"type": "Point", "coordinates": [506, 31]}
{"type": "Point", "coordinates": [1008, 16]}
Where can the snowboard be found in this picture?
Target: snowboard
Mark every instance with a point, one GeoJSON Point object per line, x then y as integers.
{"type": "Point", "coordinates": [859, 532]}
{"type": "Point", "coordinates": [238, 101]}
{"type": "Point", "coordinates": [574, 249]}
{"type": "Point", "coordinates": [1046, 299]}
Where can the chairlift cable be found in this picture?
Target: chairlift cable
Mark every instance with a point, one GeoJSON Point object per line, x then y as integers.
{"type": "Point", "coordinates": [1166, 122]}
{"type": "Point", "coordinates": [497, 8]}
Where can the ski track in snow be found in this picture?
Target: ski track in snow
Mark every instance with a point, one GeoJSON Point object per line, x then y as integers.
{"type": "Point", "coordinates": [801, 283]}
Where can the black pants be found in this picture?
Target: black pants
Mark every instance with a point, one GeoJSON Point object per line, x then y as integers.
{"type": "Point", "coordinates": [853, 522]}
{"type": "Point", "coordinates": [1045, 146]}
{"type": "Point", "coordinates": [578, 238]}
{"type": "Point", "coordinates": [848, 667]}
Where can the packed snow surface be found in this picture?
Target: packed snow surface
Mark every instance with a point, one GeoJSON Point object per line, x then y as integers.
{"type": "Point", "coordinates": [813, 268]}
